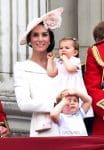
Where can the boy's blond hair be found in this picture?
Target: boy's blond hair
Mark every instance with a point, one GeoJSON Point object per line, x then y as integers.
{"type": "Point", "coordinates": [61, 95]}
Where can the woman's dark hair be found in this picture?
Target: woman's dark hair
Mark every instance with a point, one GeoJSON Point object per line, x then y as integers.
{"type": "Point", "coordinates": [98, 32]}
{"type": "Point", "coordinates": [52, 40]}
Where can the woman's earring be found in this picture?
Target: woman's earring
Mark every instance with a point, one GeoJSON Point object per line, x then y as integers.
{"type": "Point", "coordinates": [29, 44]}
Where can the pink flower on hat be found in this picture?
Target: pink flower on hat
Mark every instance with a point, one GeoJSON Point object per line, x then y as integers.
{"type": "Point", "coordinates": [53, 19]}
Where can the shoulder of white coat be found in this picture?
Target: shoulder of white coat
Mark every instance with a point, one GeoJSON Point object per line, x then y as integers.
{"type": "Point", "coordinates": [20, 65]}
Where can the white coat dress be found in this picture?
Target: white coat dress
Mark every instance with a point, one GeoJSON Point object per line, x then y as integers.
{"type": "Point", "coordinates": [35, 92]}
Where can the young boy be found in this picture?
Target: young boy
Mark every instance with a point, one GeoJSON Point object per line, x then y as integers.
{"type": "Point", "coordinates": [69, 115]}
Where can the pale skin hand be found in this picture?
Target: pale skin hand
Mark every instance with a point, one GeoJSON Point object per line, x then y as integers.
{"type": "Point", "coordinates": [63, 94]}
{"type": "Point", "coordinates": [67, 92]}
{"type": "Point", "coordinates": [4, 132]}
{"type": "Point", "coordinates": [50, 56]}
{"type": "Point", "coordinates": [51, 68]}
{"type": "Point", "coordinates": [69, 67]}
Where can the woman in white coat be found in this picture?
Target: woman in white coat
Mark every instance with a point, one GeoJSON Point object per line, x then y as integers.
{"type": "Point", "coordinates": [34, 89]}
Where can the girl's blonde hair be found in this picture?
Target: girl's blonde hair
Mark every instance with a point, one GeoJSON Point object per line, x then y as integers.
{"type": "Point", "coordinates": [75, 43]}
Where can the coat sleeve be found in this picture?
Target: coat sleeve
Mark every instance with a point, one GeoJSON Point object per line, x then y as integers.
{"type": "Point", "coordinates": [3, 119]}
{"type": "Point", "coordinates": [92, 78]}
{"type": "Point", "coordinates": [23, 96]}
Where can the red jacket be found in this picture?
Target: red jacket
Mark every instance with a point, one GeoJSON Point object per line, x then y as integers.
{"type": "Point", "coordinates": [93, 79]}
{"type": "Point", "coordinates": [2, 116]}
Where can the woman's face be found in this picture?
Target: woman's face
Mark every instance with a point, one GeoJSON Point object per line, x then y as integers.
{"type": "Point", "coordinates": [39, 38]}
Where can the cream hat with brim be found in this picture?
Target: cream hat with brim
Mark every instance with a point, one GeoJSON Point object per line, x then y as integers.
{"type": "Point", "coordinates": [51, 20]}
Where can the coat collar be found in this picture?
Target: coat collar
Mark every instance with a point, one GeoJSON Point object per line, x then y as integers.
{"type": "Point", "coordinates": [30, 66]}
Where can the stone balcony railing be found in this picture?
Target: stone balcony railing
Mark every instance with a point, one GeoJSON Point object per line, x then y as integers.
{"type": "Point", "coordinates": [19, 122]}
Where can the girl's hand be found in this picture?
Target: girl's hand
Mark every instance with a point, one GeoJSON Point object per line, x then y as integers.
{"type": "Point", "coordinates": [63, 57]}
{"type": "Point", "coordinates": [50, 55]}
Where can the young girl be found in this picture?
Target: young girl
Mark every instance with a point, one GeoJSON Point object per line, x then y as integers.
{"type": "Point", "coordinates": [68, 67]}
{"type": "Point", "coordinates": [68, 115]}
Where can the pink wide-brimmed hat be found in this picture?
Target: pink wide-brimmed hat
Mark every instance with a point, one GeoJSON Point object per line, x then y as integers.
{"type": "Point", "coordinates": [51, 20]}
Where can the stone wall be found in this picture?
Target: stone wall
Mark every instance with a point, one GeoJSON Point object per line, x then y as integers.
{"type": "Point", "coordinates": [18, 121]}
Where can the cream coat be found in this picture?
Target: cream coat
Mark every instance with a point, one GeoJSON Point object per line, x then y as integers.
{"type": "Point", "coordinates": [35, 92]}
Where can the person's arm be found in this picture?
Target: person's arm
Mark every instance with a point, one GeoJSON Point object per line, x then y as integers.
{"type": "Point", "coordinates": [68, 65]}
{"type": "Point", "coordinates": [92, 78]}
{"type": "Point", "coordinates": [55, 113]}
{"type": "Point", "coordinates": [26, 102]}
{"type": "Point", "coordinates": [4, 127]}
{"type": "Point", "coordinates": [51, 67]}
{"type": "Point", "coordinates": [86, 100]}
